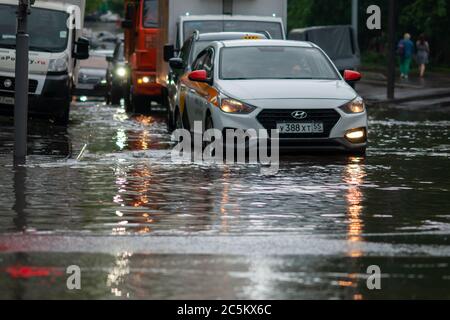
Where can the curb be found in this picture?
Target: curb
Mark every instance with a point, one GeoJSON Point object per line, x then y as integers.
{"type": "Point", "coordinates": [407, 99]}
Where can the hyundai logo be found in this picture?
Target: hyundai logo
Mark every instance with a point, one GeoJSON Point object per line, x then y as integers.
{"type": "Point", "coordinates": [299, 115]}
{"type": "Point", "coordinates": [7, 83]}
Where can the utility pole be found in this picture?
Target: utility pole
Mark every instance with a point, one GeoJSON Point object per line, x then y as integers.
{"type": "Point", "coordinates": [21, 83]}
{"type": "Point", "coordinates": [355, 6]}
{"type": "Point", "coordinates": [392, 50]}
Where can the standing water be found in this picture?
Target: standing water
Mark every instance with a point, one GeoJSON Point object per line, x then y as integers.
{"type": "Point", "coordinates": [140, 226]}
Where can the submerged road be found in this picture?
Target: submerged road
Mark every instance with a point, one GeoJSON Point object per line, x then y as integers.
{"type": "Point", "coordinates": [140, 226]}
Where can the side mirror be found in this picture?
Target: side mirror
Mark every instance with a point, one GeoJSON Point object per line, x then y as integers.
{"type": "Point", "coordinates": [199, 76]}
{"type": "Point", "coordinates": [169, 52]}
{"type": "Point", "coordinates": [352, 76]}
{"type": "Point", "coordinates": [176, 63]}
{"type": "Point", "coordinates": [81, 51]}
{"type": "Point", "coordinates": [127, 24]}
{"type": "Point", "coordinates": [110, 59]}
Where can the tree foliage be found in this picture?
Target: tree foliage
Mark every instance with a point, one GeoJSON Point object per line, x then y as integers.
{"type": "Point", "coordinates": [414, 16]}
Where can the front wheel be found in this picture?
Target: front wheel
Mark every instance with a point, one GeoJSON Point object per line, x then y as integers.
{"type": "Point", "coordinates": [128, 105]}
{"type": "Point", "coordinates": [116, 95]}
{"type": "Point", "coordinates": [178, 120]}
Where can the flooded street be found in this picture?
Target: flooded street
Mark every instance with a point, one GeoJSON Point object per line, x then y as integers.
{"type": "Point", "coordinates": [140, 226]}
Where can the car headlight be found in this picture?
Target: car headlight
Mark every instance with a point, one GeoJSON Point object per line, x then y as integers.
{"type": "Point", "coordinates": [58, 64]}
{"type": "Point", "coordinates": [121, 72]}
{"type": "Point", "coordinates": [233, 106]}
{"type": "Point", "coordinates": [355, 106]}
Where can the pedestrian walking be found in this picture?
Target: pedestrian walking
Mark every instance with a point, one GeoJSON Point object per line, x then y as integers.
{"type": "Point", "coordinates": [423, 53]}
{"type": "Point", "coordinates": [405, 50]}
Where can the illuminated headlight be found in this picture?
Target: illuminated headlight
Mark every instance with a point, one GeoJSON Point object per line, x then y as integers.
{"type": "Point", "coordinates": [58, 65]}
{"type": "Point", "coordinates": [234, 106]}
{"type": "Point", "coordinates": [355, 106]}
{"type": "Point", "coordinates": [357, 135]}
{"type": "Point", "coordinates": [121, 72]}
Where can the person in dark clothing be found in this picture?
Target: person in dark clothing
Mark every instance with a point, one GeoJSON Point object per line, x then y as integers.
{"type": "Point", "coordinates": [423, 53]}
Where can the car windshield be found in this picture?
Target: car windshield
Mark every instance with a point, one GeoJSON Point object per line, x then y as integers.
{"type": "Point", "coordinates": [275, 63]}
{"type": "Point", "coordinates": [274, 29]}
{"type": "Point", "coordinates": [47, 29]}
{"type": "Point", "coordinates": [151, 14]}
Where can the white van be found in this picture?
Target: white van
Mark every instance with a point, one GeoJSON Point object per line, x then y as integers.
{"type": "Point", "coordinates": [56, 44]}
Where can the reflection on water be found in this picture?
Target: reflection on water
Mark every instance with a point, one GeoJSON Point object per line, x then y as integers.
{"type": "Point", "coordinates": [125, 185]}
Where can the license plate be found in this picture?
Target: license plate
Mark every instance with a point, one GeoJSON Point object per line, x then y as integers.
{"type": "Point", "coordinates": [6, 100]}
{"type": "Point", "coordinates": [300, 127]}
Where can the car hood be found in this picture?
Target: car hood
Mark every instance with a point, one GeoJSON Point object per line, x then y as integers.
{"type": "Point", "coordinates": [287, 89]}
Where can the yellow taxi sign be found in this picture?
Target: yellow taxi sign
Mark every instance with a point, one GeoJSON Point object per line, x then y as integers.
{"type": "Point", "coordinates": [252, 37]}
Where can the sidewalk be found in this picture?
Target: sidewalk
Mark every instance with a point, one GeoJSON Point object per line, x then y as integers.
{"type": "Point", "coordinates": [434, 89]}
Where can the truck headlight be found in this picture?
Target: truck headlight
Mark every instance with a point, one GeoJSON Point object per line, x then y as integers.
{"type": "Point", "coordinates": [233, 106]}
{"type": "Point", "coordinates": [58, 64]}
{"type": "Point", "coordinates": [121, 72]}
{"type": "Point", "coordinates": [355, 106]}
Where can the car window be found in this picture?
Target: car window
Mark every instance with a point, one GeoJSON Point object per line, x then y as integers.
{"type": "Point", "coordinates": [198, 63]}
{"type": "Point", "coordinates": [185, 51]}
{"type": "Point", "coordinates": [119, 52]}
{"type": "Point", "coordinates": [208, 63]}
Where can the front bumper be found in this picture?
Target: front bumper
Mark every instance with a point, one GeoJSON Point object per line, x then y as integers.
{"type": "Point", "coordinates": [53, 100]}
{"type": "Point", "coordinates": [333, 138]}
{"type": "Point", "coordinates": [151, 88]}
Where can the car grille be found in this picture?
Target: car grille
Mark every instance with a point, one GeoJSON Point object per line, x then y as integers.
{"type": "Point", "coordinates": [32, 85]}
{"type": "Point", "coordinates": [270, 117]}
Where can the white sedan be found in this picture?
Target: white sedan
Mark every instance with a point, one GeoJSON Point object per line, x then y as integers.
{"type": "Point", "coordinates": [269, 84]}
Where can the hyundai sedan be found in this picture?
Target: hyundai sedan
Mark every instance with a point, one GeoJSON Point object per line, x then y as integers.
{"type": "Point", "coordinates": [289, 86]}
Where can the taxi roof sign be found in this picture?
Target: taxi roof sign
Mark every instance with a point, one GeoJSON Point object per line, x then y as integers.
{"type": "Point", "coordinates": [253, 37]}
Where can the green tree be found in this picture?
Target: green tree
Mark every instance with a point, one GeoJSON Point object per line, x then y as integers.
{"type": "Point", "coordinates": [93, 5]}
{"type": "Point", "coordinates": [414, 16]}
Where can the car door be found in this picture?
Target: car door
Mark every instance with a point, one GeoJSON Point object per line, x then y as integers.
{"type": "Point", "coordinates": [201, 97]}
{"type": "Point", "coordinates": [175, 86]}
{"type": "Point", "coordinates": [191, 93]}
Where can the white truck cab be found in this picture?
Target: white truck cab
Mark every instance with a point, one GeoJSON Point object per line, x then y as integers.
{"type": "Point", "coordinates": [271, 26]}
{"type": "Point", "coordinates": [55, 41]}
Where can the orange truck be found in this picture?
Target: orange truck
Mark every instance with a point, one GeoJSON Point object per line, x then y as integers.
{"type": "Point", "coordinates": [155, 31]}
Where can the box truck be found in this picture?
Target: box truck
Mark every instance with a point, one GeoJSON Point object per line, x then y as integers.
{"type": "Point", "coordinates": [339, 42]}
{"type": "Point", "coordinates": [56, 45]}
{"type": "Point", "coordinates": [152, 24]}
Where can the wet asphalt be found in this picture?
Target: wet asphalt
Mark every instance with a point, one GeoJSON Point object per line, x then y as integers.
{"type": "Point", "coordinates": [142, 227]}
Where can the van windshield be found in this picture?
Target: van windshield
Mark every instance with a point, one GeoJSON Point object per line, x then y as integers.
{"type": "Point", "coordinates": [47, 29]}
{"type": "Point", "coordinates": [274, 29]}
